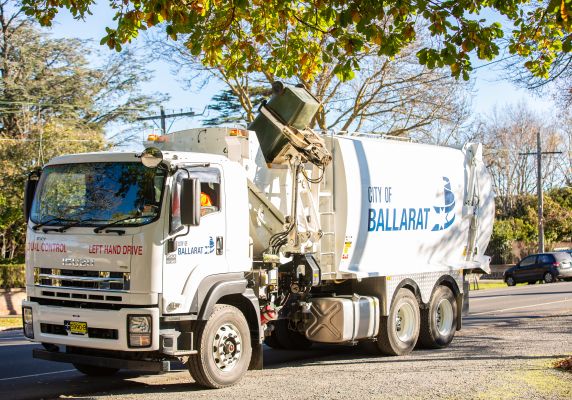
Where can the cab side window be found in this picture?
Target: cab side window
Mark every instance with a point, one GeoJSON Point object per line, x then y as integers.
{"type": "Point", "coordinates": [210, 198]}
{"type": "Point", "coordinates": [210, 189]}
{"type": "Point", "coordinates": [175, 221]}
{"type": "Point", "coordinates": [210, 194]}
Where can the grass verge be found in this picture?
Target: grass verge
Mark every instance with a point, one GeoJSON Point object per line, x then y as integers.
{"type": "Point", "coordinates": [484, 285]}
{"type": "Point", "coordinates": [10, 322]}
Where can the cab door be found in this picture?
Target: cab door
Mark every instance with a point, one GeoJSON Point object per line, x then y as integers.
{"type": "Point", "coordinates": [194, 252]}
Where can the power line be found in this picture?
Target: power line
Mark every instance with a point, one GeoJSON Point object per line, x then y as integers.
{"type": "Point", "coordinates": [163, 117]}
{"type": "Point", "coordinates": [538, 155]}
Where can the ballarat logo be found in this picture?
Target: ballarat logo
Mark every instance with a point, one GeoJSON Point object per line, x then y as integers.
{"type": "Point", "coordinates": [447, 210]}
{"type": "Point", "coordinates": [390, 218]}
{"type": "Point", "coordinates": [186, 248]}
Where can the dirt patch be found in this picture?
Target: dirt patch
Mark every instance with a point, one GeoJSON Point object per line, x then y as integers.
{"type": "Point", "coordinates": [506, 359]}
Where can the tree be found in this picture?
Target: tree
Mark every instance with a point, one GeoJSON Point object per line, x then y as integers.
{"type": "Point", "coordinates": [394, 96]}
{"type": "Point", "coordinates": [226, 33]}
{"type": "Point", "coordinates": [228, 108]}
{"type": "Point", "coordinates": [52, 101]}
{"type": "Point", "coordinates": [506, 134]}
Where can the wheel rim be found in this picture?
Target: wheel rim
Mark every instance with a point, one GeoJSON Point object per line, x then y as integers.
{"type": "Point", "coordinates": [405, 322]}
{"type": "Point", "coordinates": [227, 347]}
{"type": "Point", "coordinates": [510, 280]}
{"type": "Point", "coordinates": [444, 317]}
{"type": "Point", "coordinates": [548, 278]}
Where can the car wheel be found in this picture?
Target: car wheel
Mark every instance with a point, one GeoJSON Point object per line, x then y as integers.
{"type": "Point", "coordinates": [439, 320]}
{"type": "Point", "coordinates": [510, 280]}
{"type": "Point", "coordinates": [548, 277]}
{"type": "Point", "coordinates": [399, 331]}
{"type": "Point", "coordinates": [92, 370]}
{"type": "Point", "coordinates": [224, 348]}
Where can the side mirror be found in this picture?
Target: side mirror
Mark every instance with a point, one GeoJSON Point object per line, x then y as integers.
{"type": "Point", "coordinates": [190, 202]}
{"type": "Point", "coordinates": [30, 192]}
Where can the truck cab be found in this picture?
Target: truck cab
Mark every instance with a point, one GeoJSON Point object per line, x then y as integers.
{"type": "Point", "coordinates": [124, 257]}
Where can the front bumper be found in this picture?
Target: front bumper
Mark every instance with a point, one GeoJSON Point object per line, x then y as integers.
{"type": "Point", "coordinates": [107, 329]}
{"type": "Point", "coordinates": [108, 362]}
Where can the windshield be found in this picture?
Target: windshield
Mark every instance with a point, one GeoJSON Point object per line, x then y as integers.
{"type": "Point", "coordinates": [94, 194]}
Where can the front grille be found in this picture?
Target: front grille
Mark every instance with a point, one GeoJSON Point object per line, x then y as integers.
{"type": "Point", "coordinates": [81, 279]}
{"type": "Point", "coordinates": [95, 333]}
{"type": "Point", "coordinates": [95, 297]}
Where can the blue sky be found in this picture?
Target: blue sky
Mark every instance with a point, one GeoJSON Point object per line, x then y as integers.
{"type": "Point", "coordinates": [490, 89]}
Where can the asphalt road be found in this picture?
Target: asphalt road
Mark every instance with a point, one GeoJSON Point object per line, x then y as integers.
{"type": "Point", "coordinates": [22, 377]}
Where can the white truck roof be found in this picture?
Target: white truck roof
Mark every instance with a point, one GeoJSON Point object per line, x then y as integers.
{"type": "Point", "coordinates": [170, 157]}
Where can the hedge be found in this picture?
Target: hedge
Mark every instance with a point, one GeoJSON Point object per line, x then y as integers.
{"type": "Point", "coordinates": [12, 276]}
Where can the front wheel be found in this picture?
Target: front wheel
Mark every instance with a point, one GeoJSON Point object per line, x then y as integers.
{"type": "Point", "coordinates": [398, 332]}
{"type": "Point", "coordinates": [439, 321]}
{"type": "Point", "coordinates": [224, 348]}
{"type": "Point", "coordinates": [510, 281]}
{"type": "Point", "coordinates": [548, 277]}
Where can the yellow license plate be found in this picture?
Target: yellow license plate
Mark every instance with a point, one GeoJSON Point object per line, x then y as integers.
{"type": "Point", "coordinates": [76, 328]}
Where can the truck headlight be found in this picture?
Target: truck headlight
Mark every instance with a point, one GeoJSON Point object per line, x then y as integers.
{"type": "Point", "coordinates": [28, 322]}
{"type": "Point", "coordinates": [139, 330]}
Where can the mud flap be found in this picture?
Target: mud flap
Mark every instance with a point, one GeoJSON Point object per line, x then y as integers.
{"type": "Point", "coordinates": [256, 360]}
{"type": "Point", "coordinates": [465, 298]}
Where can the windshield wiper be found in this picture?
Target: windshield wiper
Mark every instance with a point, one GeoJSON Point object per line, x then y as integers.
{"type": "Point", "coordinates": [76, 223]}
{"type": "Point", "coordinates": [35, 227]}
{"type": "Point", "coordinates": [102, 227]}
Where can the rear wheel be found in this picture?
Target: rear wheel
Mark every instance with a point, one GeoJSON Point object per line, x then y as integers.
{"type": "Point", "coordinates": [92, 370]}
{"type": "Point", "coordinates": [439, 321]}
{"type": "Point", "coordinates": [399, 331]}
{"type": "Point", "coordinates": [548, 277]}
{"type": "Point", "coordinates": [510, 280]}
{"type": "Point", "coordinates": [224, 348]}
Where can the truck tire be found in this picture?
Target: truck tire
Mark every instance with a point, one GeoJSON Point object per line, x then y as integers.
{"type": "Point", "coordinates": [224, 348]}
{"type": "Point", "coordinates": [289, 339]}
{"type": "Point", "coordinates": [92, 370]}
{"type": "Point", "coordinates": [439, 320]}
{"type": "Point", "coordinates": [398, 332]}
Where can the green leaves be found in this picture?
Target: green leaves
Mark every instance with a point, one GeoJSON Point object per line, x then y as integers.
{"type": "Point", "coordinates": [223, 32]}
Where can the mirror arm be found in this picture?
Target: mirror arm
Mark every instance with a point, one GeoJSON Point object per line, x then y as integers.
{"type": "Point", "coordinates": [171, 240]}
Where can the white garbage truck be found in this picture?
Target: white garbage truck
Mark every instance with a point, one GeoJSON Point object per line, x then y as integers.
{"type": "Point", "coordinates": [213, 242]}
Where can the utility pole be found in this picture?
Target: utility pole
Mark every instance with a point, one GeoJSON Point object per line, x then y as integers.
{"type": "Point", "coordinates": [538, 155]}
{"type": "Point", "coordinates": [163, 117]}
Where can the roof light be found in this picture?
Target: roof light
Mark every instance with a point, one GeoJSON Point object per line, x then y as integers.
{"type": "Point", "coordinates": [239, 132]}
